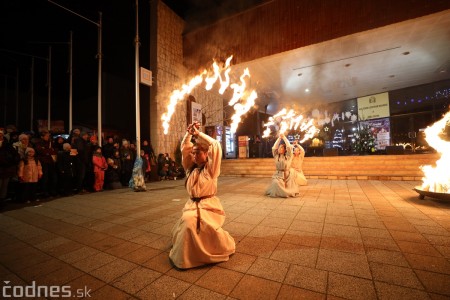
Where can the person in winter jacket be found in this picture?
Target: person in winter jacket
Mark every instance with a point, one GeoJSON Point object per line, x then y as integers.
{"type": "Point", "coordinates": [29, 173]}
{"type": "Point", "coordinates": [100, 166]}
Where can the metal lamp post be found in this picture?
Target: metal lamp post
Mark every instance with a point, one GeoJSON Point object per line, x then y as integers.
{"type": "Point", "coordinates": [99, 58]}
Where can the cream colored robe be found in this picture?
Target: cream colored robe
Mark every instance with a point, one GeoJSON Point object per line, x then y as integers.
{"type": "Point", "coordinates": [211, 244]}
{"type": "Point", "coordinates": [283, 180]}
{"type": "Point", "coordinates": [297, 167]}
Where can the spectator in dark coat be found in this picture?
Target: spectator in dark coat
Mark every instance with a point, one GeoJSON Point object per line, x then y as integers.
{"type": "Point", "coordinates": [9, 159]}
{"type": "Point", "coordinates": [83, 160]}
{"type": "Point", "coordinates": [108, 149]}
{"type": "Point", "coordinates": [67, 163]}
{"type": "Point", "coordinates": [47, 156]}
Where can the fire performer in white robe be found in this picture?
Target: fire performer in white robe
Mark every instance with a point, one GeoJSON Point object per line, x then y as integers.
{"type": "Point", "coordinates": [283, 180]}
{"type": "Point", "coordinates": [198, 237]}
{"type": "Point", "coordinates": [297, 165]}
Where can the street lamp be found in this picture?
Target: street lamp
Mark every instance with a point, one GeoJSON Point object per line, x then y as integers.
{"type": "Point", "coordinates": [48, 60]}
{"type": "Point", "coordinates": [99, 57]}
{"type": "Point", "coordinates": [137, 79]}
{"type": "Point", "coordinates": [70, 43]}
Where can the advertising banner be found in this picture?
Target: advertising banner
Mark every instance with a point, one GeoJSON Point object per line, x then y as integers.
{"type": "Point", "coordinates": [381, 131]}
{"type": "Point", "coordinates": [243, 146]}
{"type": "Point", "coordinates": [56, 126]}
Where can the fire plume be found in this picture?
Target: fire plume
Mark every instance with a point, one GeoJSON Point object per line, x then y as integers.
{"type": "Point", "coordinates": [286, 121]}
{"type": "Point", "coordinates": [221, 74]}
{"type": "Point", "coordinates": [437, 179]}
{"type": "Point", "coordinates": [177, 96]}
{"type": "Point", "coordinates": [241, 109]}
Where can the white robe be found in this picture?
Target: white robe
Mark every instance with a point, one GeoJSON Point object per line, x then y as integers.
{"type": "Point", "coordinates": [283, 180]}
{"type": "Point", "coordinates": [210, 244]}
{"type": "Point", "coordinates": [297, 168]}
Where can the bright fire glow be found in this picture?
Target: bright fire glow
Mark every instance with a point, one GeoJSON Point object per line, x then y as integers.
{"type": "Point", "coordinates": [437, 179]}
{"type": "Point", "coordinates": [286, 120]}
{"type": "Point", "coordinates": [239, 94]}
{"type": "Point", "coordinates": [177, 96]}
{"type": "Point", "coordinates": [241, 109]}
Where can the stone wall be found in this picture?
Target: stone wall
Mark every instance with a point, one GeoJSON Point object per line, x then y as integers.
{"type": "Point", "coordinates": [171, 75]}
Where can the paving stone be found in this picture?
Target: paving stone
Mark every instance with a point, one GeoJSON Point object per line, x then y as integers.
{"type": "Point", "coordinates": [251, 287]}
{"type": "Point", "coordinates": [220, 280]}
{"type": "Point", "coordinates": [307, 278]}
{"type": "Point", "coordinates": [165, 287]}
{"type": "Point", "coordinates": [288, 292]}
{"type": "Point", "coordinates": [350, 287]}
{"type": "Point", "coordinates": [340, 234]}
{"type": "Point", "coordinates": [395, 275]}
{"type": "Point", "coordinates": [269, 269]}
{"type": "Point", "coordinates": [135, 280]}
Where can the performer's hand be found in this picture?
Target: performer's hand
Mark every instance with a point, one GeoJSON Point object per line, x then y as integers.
{"type": "Point", "coordinates": [281, 135]}
{"type": "Point", "coordinates": [194, 129]}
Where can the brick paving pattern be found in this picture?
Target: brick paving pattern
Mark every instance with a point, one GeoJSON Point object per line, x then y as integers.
{"type": "Point", "coordinates": [341, 239]}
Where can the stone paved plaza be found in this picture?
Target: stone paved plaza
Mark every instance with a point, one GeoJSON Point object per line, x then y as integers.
{"type": "Point", "coordinates": [341, 239]}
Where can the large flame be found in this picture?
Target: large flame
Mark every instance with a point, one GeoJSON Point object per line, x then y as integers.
{"type": "Point", "coordinates": [289, 120]}
{"type": "Point", "coordinates": [177, 96]}
{"type": "Point", "coordinates": [241, 109]}
{"type": "Point", "coordinates": [210, 78]}
{"type": "Point", "coordinates": [437, 179]}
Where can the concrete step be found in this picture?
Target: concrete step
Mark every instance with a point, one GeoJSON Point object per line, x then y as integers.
{"type": "Point", "coordinates": [376, 167]}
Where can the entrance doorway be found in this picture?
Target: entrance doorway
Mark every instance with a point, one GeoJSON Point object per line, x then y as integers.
{"type": "Point", "coordinates": [230, 149]}
{"type": "Point", "coordinates": [408, 130]}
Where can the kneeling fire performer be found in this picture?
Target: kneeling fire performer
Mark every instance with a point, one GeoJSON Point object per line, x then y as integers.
{"type": "Point", "coordinates": [198, 237]}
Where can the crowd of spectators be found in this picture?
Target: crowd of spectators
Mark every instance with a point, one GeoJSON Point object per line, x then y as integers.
{"type": "Point", "coordinates": [34, 167]}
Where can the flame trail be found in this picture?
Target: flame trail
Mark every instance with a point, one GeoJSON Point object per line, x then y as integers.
{"type": "Point", "coordinates": [210, 80]}
{"type": "Point", "coordinates": [241, 109]}
{"type": "Point", "coordinates": [239, 89]}
{"type": "Point", "coordinates": [177, 96]}
{"type": "Point", "coordinates": [289, 120]}
{"type": "Point", "coordinates": [437, 179]}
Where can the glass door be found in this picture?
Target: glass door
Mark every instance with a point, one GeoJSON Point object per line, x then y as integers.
{"type": "Point", "coordinates": [408, 130]}
{"type": "Point", "coordinates": [230, 149]}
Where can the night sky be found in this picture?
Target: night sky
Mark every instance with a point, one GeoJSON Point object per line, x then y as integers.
{"type": "Point", "coordinates": [28, 26]}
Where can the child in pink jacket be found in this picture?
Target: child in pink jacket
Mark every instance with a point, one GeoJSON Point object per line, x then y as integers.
{"type": "Point", "coordinates": [29, 173]}
{"type": "Point", "coordinates": [100, 165]}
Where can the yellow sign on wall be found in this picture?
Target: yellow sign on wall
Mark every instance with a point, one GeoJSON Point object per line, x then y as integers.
{"type": "Point", "coordinates": [373, 107]}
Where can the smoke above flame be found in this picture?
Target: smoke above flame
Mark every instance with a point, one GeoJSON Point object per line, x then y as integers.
{"type": "Point", "coordinates": [242, 100]}
{"type": "Point", "coordinates": [285, 121]}
{"type": "Point", "coordinates": [437, 179]}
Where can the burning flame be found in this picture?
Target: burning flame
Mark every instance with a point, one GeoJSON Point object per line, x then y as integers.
{"type": "Point", "coordinates": [289, 120]}
{"type": "Point", "coordinates": [177, 96]}
{"type": "Point", "coordinates": [241, 109]}
{"type": "Point", "coordinates": [217, 71]}
{"type": "Point", "coordinates": [437, 179]}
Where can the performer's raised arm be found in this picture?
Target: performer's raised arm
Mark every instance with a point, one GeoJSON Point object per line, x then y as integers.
{"type": "Point", "coordinates": [276, 145]}
{"type": "Point", "coordinates": [289, 148]}
{"type": "Point", "coordinates": [209, 146]}
{"type": "Point", "coordinates": [186, 150]}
